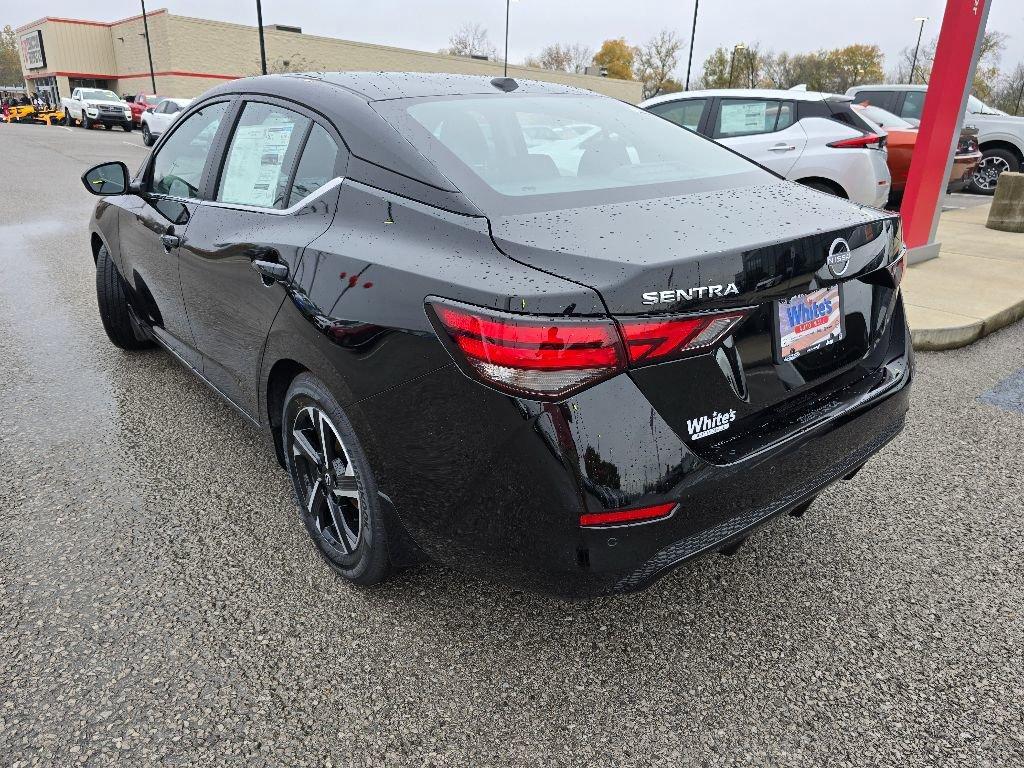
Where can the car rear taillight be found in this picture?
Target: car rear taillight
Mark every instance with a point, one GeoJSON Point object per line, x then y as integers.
{"type": "Point", "coordinates": [628, 516]}
{"type": "Point", "coordinates": [866, 141]}
{"type": "Point", "coordinates": [549, 358]}
{"type": "Point", "coordinates": [655, 340]}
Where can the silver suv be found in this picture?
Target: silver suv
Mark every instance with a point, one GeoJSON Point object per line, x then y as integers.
{"type": "Point", "coordinates": [1001, 136]}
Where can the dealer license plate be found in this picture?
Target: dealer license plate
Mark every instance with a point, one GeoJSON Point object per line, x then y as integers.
{"type": "Point", "coordinates": [809, 322]}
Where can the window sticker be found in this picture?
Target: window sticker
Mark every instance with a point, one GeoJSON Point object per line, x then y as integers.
{"type": "Point", "coordinates": [253, 175]}
{"type": "Point", "coordinates": [744, 118]}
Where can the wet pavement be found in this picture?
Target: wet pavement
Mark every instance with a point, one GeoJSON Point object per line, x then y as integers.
{"type": "Point", "coordinates": [160, 603]}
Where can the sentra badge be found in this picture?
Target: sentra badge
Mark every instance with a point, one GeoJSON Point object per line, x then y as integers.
{"type": "Point", "coordinates": [689, 294]}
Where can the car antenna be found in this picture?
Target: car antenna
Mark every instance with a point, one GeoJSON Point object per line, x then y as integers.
{"type": "Point", "coordinates": [506, 84]}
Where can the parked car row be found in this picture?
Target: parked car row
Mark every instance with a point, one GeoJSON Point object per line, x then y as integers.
{"type": "Point", "coordinates": [89, 107]}
{"type": "Point", "coordinates": [796, 134]}
{"type": "Point", "coordinates": [1000, 136]}
{"type": "Point", "coordinates": [814, 138]}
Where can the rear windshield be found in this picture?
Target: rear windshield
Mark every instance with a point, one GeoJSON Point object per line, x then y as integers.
{"type": "Point", "coordinates": [882, 117]}
{"type": "Point", "coordinates": [551, 151]}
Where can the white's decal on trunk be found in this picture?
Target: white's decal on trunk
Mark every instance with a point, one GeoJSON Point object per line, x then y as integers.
{"type": "Point", "coordinates": [709, 425]}
{"type": "Point", "coordinates": [697, 292]}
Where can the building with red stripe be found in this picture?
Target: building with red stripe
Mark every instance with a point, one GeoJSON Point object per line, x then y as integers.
{"type": "Point", "coordinates": [191, 55]}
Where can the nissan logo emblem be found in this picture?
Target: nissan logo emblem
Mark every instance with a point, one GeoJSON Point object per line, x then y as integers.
{"type": "Point", "coordinates": [838, 257]}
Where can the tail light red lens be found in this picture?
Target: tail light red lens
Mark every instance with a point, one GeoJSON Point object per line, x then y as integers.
{"type": "Point", "coordinates": [658, 340]}
{"type": "Point", "coordinates": [549, 358]}
{"type": "Point", "coordinates": [627, 516]}
{"type": "Point", "coordinates": [535, 356]}
{"type": "Point", "coordinates": [867, 141]}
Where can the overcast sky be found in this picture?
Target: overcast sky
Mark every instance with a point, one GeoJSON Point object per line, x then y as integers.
{"type": "Point", "coordinates": [794, 25]}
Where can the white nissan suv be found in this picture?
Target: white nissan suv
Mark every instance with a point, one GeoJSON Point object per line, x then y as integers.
{"type": "Point", "coordinates": [814, 138]}
{"type": "Point", "coordinates": [1000, 136]}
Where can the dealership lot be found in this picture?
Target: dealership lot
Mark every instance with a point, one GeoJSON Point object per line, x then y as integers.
{"type": "Point", "coordinates": [160, 601]}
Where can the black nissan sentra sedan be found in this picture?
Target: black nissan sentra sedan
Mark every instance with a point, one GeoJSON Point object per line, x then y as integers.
{"type": "Point", "coordinates": [519, 328]}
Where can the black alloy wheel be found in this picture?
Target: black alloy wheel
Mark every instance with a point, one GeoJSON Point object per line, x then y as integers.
{"type": "Point", "coordinates": [994, 163]}
{"type": "Point", "coordinates": [333, 483]}
{"type": "Point", "coordinates": [85, 121]}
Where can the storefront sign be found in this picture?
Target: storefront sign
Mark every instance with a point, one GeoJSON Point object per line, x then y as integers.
{"type": "Point", "coordinates": [32, 50]}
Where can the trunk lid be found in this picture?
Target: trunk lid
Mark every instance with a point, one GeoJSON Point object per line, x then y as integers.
{"type": "Point", "coordinates": [753, 248]}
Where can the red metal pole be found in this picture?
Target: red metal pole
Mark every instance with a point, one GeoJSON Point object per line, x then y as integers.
{"type": "Point", "coordinates": [963, 27]}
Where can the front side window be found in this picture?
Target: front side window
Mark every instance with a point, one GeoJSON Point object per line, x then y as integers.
{"type": "Point", "coordinates": [261, 156]}
{"type": "Point", "coordinates": [748, 117]}
{"type": "Point", "coordinates": [316, 168]}
{"type": "Point", "coordinates": [684, 113]}
{"type": "Point", "coordinates": [178, 166]}
{"type": "Point", "coordinates": [547, 151]}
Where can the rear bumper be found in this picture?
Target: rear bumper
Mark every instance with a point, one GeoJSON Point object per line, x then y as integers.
{"type": "Point", "coordinates": [495, 485]}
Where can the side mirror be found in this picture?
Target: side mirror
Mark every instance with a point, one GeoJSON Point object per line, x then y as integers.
{"type": "Point", "coordinates": [150, 109]}
{"type": "Point", "coordinates": [107, 179]}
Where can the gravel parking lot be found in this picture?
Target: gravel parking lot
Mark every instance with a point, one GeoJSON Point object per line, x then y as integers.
{"type": "Point", "coordinates": [160, 603]}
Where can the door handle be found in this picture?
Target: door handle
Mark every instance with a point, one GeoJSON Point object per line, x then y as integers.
{"type": "Point", "coordinates": [170, 241]}
{"type": "Point", "coordinates": [781, 147]}
{"type": "Point", "coordinates": [271, 271]}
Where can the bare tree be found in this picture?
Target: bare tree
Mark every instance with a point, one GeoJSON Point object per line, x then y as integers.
{"type": "Point", "coordinates": [655, 62]}
{"type": "Point", "coordinates": [565, 58]}
{"type": "Point", "coordinates": [470, 40]}
{"type": "Point", "coordinates": [580, 56]}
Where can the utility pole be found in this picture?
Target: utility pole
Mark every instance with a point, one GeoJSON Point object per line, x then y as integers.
{"type": "Point", "coordinates": [917, 47]}
{"type": "Point", "coordinates": [508, 5]}
{"type": "Point", "coordinates": [263, 45]}
{"type": "Point", "coordinates": [693, 36]}
{"type": "Point", "coordinates": [149, 48]}
{"type": "Point", "coordinates": [732, 59]}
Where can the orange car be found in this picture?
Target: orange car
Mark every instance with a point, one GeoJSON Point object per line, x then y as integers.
{"type": "Point", "coordinates": [900, 143]}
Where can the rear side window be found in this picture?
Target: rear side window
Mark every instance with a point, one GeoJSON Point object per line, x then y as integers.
{"type": "Point", "coordinates": [261, 155]}
{"type": "Point", "coordinates": [749, 117]}
{"type": "Point", "coordinates": [843, 112]}
{"type": "Point", "coordinates": [913, 105]}
{"type": "Point", "coordinates": [883, 99]}
{"type": "Point", "coordinates": [316, 168]}
{"type": "Point", "coordinates": [683, 113]}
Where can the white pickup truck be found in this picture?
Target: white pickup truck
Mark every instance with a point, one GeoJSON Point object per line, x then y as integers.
{"type": "Point", "coordinates": [95, 106]}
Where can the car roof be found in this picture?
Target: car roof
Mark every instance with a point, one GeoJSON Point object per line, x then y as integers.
{"type": "Point", "coordinates": [761, 93]}
{"type": "Point", "coordinates": [887, 87]}
{"type": "Point", "coordinates": [378, 86]}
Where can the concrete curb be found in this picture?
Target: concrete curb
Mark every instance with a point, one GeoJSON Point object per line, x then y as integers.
{"type": "Point", "coordinates": [938, 339]}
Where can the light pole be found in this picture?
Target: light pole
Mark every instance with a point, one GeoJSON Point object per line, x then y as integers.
{"type": "Point", "coordinates": [732, 59]}
{"type": "Point", "coordinates": [693, 36]}
{"type": "Point", "coordinates": [508, 6]}
{"type": "Point", "coordinates": [920, 31]}
{"type": "Point", "coordinates": [149, 49]}
{"type": "Point", "coordinates": [263, 45]}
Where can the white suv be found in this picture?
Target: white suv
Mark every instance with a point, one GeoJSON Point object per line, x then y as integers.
{"type": "Point", "coordinates": [1000, 136]}
{"type": "Point", "coordinates": [813, 138]}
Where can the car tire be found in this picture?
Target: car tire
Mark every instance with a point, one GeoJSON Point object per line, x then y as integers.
{"type": "Point", "coordinates": [334, 485]}
{"type": "Point", "coordinates": [107, 126]}
{"type": "Point", "coordinates": [69, 121]}
{"type": "Point", "coordinates": [85, 121]}
{"type": "Point", "coordinates": [994, 162]}
{"type": "Point", "coordinates": [115, 312]}
{"type": "Point", "coordinates": [127, 127]}
{"type": "Point", "coordinates": [147, 137]}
